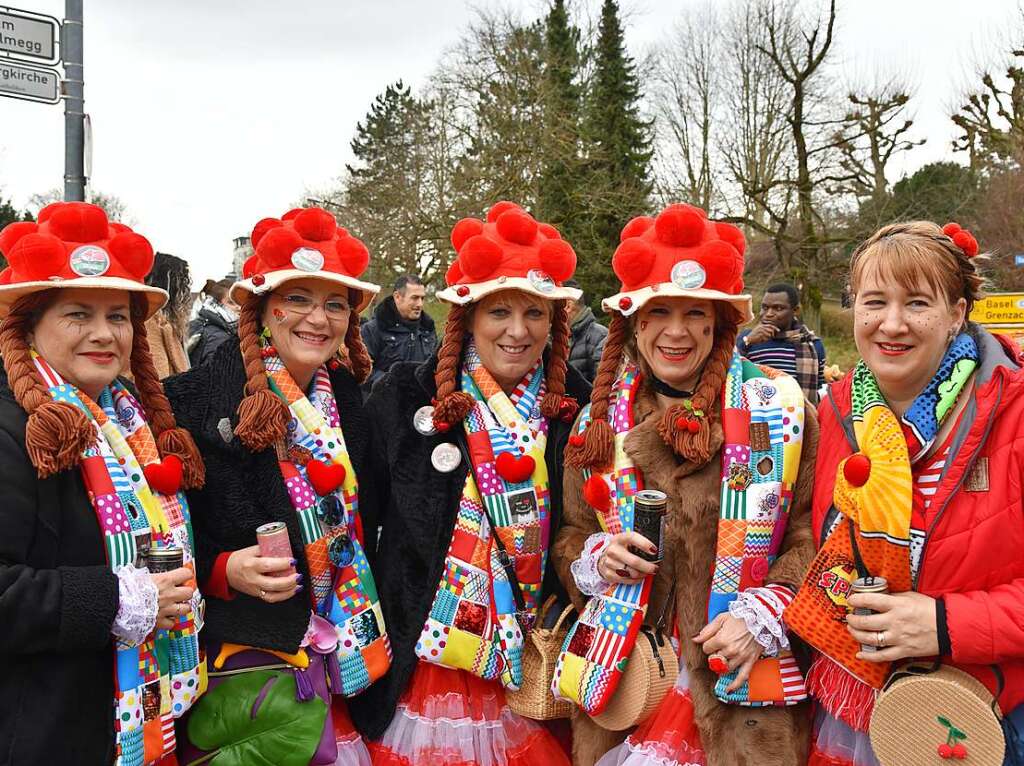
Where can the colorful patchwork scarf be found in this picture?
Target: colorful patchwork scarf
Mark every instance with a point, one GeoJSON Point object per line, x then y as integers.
{"type": "Point", "coordinates": [472, 623]}
{"type": "Point", "coordinates": [158, 680]}
{"type": "Point", "coordinates": [322, 487]}
{"type": "Point", "coordinates": [598, 646]}
{"type": "Point", "coordinates": [878, 507]}
{"type": "Point", "coordinates": [763, 425]}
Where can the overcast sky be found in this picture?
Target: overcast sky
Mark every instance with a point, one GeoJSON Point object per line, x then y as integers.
{"type": "Point", "coordinates": [211, 114]}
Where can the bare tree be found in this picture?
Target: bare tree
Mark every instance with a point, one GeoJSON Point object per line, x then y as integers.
{"type": "Point", "coordinates": [991, 119]}
{"type": "Point", "coordinates": [875, 128]}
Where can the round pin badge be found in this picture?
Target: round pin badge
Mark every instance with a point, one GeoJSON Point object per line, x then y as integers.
{"type": "Point", "coordinates": [445, 457]}
{"type": "Point", "coordinates": [307, 259]}
{"type": "Point", "coordinates": [423, 421]}
{"type": "Point", "coordinates": [89, 261]}
{"type": "Point", "coordinates": [540, 281]}
{"type": "Point", "coordinates": [688, 275]}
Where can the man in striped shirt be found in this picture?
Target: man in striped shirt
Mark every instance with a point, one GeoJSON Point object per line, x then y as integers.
{"type": "Point", "coordinates": [782, 341]}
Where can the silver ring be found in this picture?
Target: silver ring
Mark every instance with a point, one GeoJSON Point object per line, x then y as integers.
{"type": "Point", "coordinates": [880, 639]}
{"type": "Point", "coordinates": [263, 594]}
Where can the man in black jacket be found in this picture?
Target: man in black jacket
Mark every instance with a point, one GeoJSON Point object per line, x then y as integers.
{"type": "Point", "coordinates": [400, 330]}
{"type": "Point", "coordinates": [588, 337]}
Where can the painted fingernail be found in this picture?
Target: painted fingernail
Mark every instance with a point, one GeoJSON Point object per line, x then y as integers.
{"type": "Point", "coordinates": [652, 549]}
{"type": "Point", "coordinates": [300, 588]}
{"type": "Point", "coordinates": [298, 578]}
{"type": "Point", "coordinates": [294, 562]}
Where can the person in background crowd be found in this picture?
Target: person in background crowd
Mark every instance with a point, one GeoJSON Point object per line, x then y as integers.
{"type": "Point", "coordinates": [466, 454]}
{"type": "Point", "coordinates": [168, 326]}
{"type": "Point", "coordinates": [780, 340]}
{"type": "Point", "coordinates": [400, 330]}
{"type": "Point", "coordinates": [919, 472]}
{"type": "Point", "coordinates": [676, 409]}
{"type": "Point", "coordinates": [97, 655]}
{"type": "Point", "coordinates": [588, 336]}
{"type": "Point", "coordinates": [216, 321]}
{"type": "Point", "coordinates": [277, 414]}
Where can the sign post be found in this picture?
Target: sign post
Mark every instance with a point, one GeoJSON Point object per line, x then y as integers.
{"type": "Point", "coordinates": [74, 102]}
{"type": "Point", "coordinates": [29, 83]}
{"type": "Point", "coordinates": [28, 36]}
{"type": "Point", "coordinates": [1001, 313]}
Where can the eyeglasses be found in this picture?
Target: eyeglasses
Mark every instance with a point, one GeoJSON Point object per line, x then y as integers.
{"type": "Point", "coordinates": [303, 305]}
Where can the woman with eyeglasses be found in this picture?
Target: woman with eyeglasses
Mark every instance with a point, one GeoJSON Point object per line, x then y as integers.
{"type": "Point", "coordinates": [293, 625]}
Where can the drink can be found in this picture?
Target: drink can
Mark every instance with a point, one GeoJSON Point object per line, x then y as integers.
{"type": "Point", "coordinates": [649, 509]}
{"type": "Point", "coordinates": [164, 559]}
{"type": "Point", "coordinates": [274, 543]}
{"type": "Point", "coordinates": [868, 584]}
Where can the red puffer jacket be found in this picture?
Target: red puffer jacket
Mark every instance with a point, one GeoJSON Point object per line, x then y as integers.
{"type": "Point", "coordinates": [973, 553]}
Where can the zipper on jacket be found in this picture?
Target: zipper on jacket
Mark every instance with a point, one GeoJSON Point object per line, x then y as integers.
{"type": "Point", "coordinates": [959, 483]}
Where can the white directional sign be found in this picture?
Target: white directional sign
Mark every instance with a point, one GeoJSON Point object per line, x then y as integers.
{"type": "Point", "coordinates": [29, 83]}
{"type": "Point", "coordinates": [28, 35]}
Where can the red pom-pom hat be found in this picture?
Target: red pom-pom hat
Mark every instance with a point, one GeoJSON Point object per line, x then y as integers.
{"type": "Point", "coordinates": [510, 250]}
{"type": "Point", "coordinates": [679, 253]}
{"type": "Point", "coordinates": [72, 244]}
{"type": "Point", "coordinates": [304, 243]}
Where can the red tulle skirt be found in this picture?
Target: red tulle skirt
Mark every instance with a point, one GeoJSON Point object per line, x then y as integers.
{"type": "Point", "coordinates": [668, 738]}
{"type": "Point", "coordinates": [452, 718]}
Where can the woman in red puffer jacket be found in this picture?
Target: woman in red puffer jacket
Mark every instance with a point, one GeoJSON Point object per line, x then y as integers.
{"type": "Point", "coordinates": [944, 522]}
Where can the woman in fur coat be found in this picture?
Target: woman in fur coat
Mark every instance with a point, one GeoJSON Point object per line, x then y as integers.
{"type": "Point", "coordinates": [675, 409]}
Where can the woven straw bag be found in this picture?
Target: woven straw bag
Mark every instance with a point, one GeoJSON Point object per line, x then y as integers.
{"type": "Point", "coordinates": [650, 673]}
{"type": "Point", "coordinates": [534, 699]}
{"type": "Point", "coordinates": [929, 714]}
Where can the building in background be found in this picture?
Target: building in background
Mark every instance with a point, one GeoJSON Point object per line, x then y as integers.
{"type": "Point", "coordinates": [243, 249]}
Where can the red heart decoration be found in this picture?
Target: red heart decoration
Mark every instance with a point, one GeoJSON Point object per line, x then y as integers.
{"type": "Point", "coordinates": [164, 477]}
{"type": "Point", "coordinates": [597, 494]}
{"type": "Point", "coordinates": [577, 440]}
{"type": "Point", "coordinates": [325, 477]}
{"type": "Point", "coordinates": [514, 469]}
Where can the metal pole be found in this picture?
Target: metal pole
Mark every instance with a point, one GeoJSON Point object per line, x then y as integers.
{"type": "Point", "coordinates": [74, 102]}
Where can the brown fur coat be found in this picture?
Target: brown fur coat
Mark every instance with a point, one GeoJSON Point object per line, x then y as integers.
{"type": "Point", "coordinates": [732, 735]}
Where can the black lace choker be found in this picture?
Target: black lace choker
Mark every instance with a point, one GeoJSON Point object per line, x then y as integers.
{"type": "Point", "coordinates": [665, 389]}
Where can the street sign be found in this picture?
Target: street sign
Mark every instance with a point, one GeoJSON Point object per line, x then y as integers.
{"type": "Point", "coordinates": [27, 35]}
{"type": "Point", "coordinates": [1018, 259]}
{"type": "Point", "coordinates": [29, 83]}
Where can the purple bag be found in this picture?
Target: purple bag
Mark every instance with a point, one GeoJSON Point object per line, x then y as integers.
{"type": "Point", "coordinates": [309, 683]}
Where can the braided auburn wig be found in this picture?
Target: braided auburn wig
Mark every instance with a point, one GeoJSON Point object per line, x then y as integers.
{"type": "Point", "coordinates": [303, 243]}
{"type": "Point", "coordinates": [67, 240]}
{"type": "Point", "coordinates": [683, 254]}
{"type": "Point", "coordinates": [509, 251]}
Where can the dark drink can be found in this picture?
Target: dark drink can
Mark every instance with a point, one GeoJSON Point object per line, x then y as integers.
{"type": "Point", "coordinates": [274, 543]}
{"type": "Point", "coordinates": [164, 559]}
{"type": "Point", "coordinates": [868, 585]}
{"type": "Point", "coordinates": [649, 509]}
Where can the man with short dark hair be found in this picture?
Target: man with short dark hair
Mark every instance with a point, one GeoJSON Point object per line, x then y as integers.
{"type": "Point", "coordinates": [588, 336]}
{"type": "Point", "coordinates": [400, 330]}
{"type": "Point", "coordinates": [782, 341]}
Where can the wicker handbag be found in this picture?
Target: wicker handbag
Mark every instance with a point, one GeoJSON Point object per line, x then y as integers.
{"type": "Point", "coordinates": [934, 713]}
{"type": "Point", "coordinates": [534, 699]}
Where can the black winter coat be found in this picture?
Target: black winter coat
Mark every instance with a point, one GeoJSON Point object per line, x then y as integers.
{"type": "Point", "coordinates": [206, 333]}
{"type": "Point", "coordinates": [588, 339]}
{"type": "Point", "coordinates": [391, 339]}
{"type": "Point", "coordinates": [58, 600]}
{"type": "Point", "coordinates": [244, 490]}
{"type": "Point", "coordinates": [415, 511]}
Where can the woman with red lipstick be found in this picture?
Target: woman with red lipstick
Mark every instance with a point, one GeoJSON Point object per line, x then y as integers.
{"type": "Point", "coordinates": [99, 655]}
{"type": "Point", "coordinates": [675, 409]}
{"type": "Point", "coordinates": [918, 481]}
{"type": "Point", "coordinates": [277, 414]}
{"type": "Point", "coordinates": [466, 451]}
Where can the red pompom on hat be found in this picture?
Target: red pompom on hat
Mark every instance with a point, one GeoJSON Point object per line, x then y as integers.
{"type": "Point", "coordinates": [304, 243]}
{"type": "Point", "coordinates": [961, 238]}
{"type": "Point", "coordinates": [510, 250]}
{"type": "Point", "coordinates": [679, 253]}
{"type": "Point", "coordinates": [73, 244]}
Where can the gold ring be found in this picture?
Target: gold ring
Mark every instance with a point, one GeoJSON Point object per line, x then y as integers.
{"type": "Point", "coordinates": [263, 594]}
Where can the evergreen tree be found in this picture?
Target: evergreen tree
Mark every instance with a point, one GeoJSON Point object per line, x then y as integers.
{"type": "Point", "coordinates": [560, 182]}
{"type": "Point", "coordinates": [618, 146]}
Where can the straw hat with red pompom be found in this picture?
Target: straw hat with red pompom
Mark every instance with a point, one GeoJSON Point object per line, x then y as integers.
{"type": "Point", "coordinates": [680, 253]}
{"type": "Point", "coordinates": [303, 243]}
{"type": "Point", "coordinates": [72, 244]}
{"type": "Point", "coordinates": [510, 250]}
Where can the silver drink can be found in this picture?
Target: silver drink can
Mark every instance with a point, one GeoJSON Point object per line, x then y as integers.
{"type": "Point", "coordinates": [868, 585]}
{"type": "Point", "coordinates": [164, 559]}
{"type": "Point", "coordinates": [649, 509]}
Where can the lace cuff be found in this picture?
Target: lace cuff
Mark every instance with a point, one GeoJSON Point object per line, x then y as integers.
{"type": "Point", "coordinates": [761, 609]}
{"type": "Point", "coordinates": [584, 569]}
{"type": "Point", "coordinates": [138, 602]}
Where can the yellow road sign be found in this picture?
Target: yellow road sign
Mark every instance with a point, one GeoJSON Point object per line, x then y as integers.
{"type": "Point", "coordinates": [999, 309]}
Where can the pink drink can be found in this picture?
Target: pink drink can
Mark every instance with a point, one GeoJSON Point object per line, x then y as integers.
{"type": "Point", "coordinates": [274, 543]}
